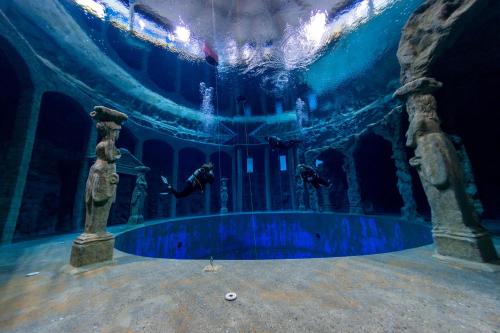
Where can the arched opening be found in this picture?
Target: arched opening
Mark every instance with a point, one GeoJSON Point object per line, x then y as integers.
{"type": "Point", "coordinates": [14, 88]}
{"type": "Point", "coordinates": [468, 102]}
{"type": "Point", "coordinates": [332, 168]}
{"type": "Point", "coordinates": [377, 176]}
{"type": "Point", "coordinates": [190, 159]}
{"type": "Point", "coordinates": [223, 169]}
{"type": "Point", "coordinates": [58, 155]}
{"type": "Point", "coordinates": [157, 155]}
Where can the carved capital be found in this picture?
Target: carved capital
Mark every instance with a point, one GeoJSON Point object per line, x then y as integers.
{"type": "Point", "coordinates": [423, 85]}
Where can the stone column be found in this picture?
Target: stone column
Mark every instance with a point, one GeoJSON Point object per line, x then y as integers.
{"type": "Point", "coordinates": [405, 187]}
{"type": "Point", "coordinates": [207, 191]}
{"type": "Point", "coordinates": [291, 175]}
{"type": "Point", "coordinates": [455, 225]}
{"type": "Point", "coordinates": [175, 175]}
{"type": "Point", "coordinates": [223, 195]}
{"type": "Point", "coordinates": [239, 172]}
{"type": "Point", "coordinates": [353, 192]}
{"type": "Point", "coordinates": [326, 204]}
{"type": "Point", "coordinates": [299, 188]}
{"type": "Point", "coordinates": [267, 178]}
{"type": "Point", "coordinates": [18, 161]}
{"type": "Point", "coordinates": [95, 244]}
{"type": "Point", "coordinates": [79, 209]}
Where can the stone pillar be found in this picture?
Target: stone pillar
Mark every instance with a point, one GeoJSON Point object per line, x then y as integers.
{"type": "Point", "coordinates": [405, 187]}
{"type": "Point", "coordinates": [349, 167]}
{"type": "Point", "coordinates": [175, 175]}
{"type": "Point", "coordinates": [207, 192]}
{"type": "Point", "coordinates": [267, 177]}
{"type": "Point", "coordinates": [95, 244]}
{"type": "Point", "coordinates": [239, 175]}
{"type": "Point", "coordinates": [18, 161]}
{"type": "Point", "coordinates": [299, 188]}
{"type": "Point", "coordinates": [79, 209]}
{"type": "Point", "coordinates": [138, 197]}
{"type": "Point", "coordinates": [291, 175]}
{"type": "Point", "coordinates": [326, 204]}
{"type": "Point", "coordinates": [223, 195]}
{"type": "Point", "coordinates": [455, 225]}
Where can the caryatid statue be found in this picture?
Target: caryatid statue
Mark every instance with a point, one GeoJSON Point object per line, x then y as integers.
{"type": "Point", "coordinates": [96, 244]}
{"type": "Point", "coordinates": [138, 197]}
{"type": "Point", "coordinates": [456, 226]}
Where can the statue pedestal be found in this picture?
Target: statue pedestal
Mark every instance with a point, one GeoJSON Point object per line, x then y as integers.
{"type": "Point", "coordinates": [468, 244]}
{"type": "Point", "coordinates": [92, 248]}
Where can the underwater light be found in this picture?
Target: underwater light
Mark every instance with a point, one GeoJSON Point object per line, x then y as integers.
{"type": "Point", "coordinates": [93, 7]}
{"type": "Point", "coordinates": [182, 33]}
{"type": "Point", "coordinates": [315, 29]}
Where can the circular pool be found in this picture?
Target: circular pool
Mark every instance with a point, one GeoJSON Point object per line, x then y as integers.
{"type": "Point", "coordinates": [272, 235]}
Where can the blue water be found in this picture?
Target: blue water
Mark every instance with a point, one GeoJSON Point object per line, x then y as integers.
{"type": "Point", "coordinates": [273, 236]}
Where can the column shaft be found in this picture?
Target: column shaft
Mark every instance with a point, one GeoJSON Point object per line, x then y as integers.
{"type": "Point", "coordinates": [267, 178]}
{"type": "Point", "coordinates": [175, 171]}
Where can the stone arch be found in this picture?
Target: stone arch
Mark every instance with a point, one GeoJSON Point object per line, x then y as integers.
{"type": "Point", "coordinates": [332, 168]}
{"type": "Point", "coordinates": [223, 169]}
{"type": "Point", "coordinates": [59, 154]}
{"type": "Point", "coordinates": [157, 155]}
{"type": "Point", "coordinates": [189, 160]}
{"type": "Point", "coordinates": [16, 96]}
{"type": "Point", "coordinates": [377, 175]}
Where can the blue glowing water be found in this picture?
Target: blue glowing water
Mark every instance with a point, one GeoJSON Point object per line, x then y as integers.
{"type": "Point", "coordinates": [273, 236]}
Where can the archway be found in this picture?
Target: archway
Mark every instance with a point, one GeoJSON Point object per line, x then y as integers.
{"type": "Point", "coordinates": [13, 115]}
{"type": "Point", "coordinates": [332, 168]}
{"type": "Point", "coordinates": [377, 176]}
{"type": "Point", "coordinates": [223, 169]}
{"type": "Point", "coordinates": [281, 198]}
{"type": "Point", "coordinates": [58, 156]}
{"type": "Point", "coordinates": [157, 155]}
{"type": "Point", "coordinates": [253, 191]}
{"type": "Point", "coordinates": [190, 159]}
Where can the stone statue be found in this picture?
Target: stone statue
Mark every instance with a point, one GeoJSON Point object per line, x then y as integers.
{"type": "Point", "coordinates": [138, 197]}
{"type": "Point", "coordinates": [223, 195]}
{"type": "Point", "coordinates": [96, 244]}
{"type": "Point", "coordinates": [456, 226]}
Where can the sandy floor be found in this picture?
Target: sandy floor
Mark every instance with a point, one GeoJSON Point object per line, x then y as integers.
{"type": "Point", "coordinates": [407, 291]}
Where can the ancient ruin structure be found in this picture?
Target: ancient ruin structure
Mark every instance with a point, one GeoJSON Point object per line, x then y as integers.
{"type": "Point", "coordinates": [95, 244]}
{"type": "Point", "coordinates": [456, 226]}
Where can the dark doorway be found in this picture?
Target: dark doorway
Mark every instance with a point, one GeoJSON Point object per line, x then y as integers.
{"type": "Point", "coordinates": [377, 176]}
{"type": "Point", "coordinates": [332, 168]}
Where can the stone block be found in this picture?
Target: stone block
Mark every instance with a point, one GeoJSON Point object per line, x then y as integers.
{"type": "Point", "coordinates": [90, 249]}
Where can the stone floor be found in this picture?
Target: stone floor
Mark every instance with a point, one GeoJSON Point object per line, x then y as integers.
{"type": "Point", "coordinates": [407, 291]}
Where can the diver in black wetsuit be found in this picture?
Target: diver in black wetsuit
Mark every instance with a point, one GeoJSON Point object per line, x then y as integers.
{"type": "Point", "coordinates": [310, 175]}
{"type": "Point", "coordinates": [197, 181]}
{"type": "Point", "coordinates": [277, 143]}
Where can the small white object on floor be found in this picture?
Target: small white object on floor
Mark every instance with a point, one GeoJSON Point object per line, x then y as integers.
{"type": "Point", "coordinates": [230, 296]}
{"type": "Point", "coordinates": [32, 273]}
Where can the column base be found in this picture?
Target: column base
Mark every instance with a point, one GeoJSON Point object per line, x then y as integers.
{"type": "Point", "coordinates": [135, 219]}
{"type": "Point", "coordinates": [356, 210]}
{"type": "Point", "coordinates": [223, 211]}
{"type": "Point", "coordinates": [469, 244]}
{"type": "Point", "coordinates": [92, 248]}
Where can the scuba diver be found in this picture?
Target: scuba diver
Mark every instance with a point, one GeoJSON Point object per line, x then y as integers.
{"type": "Point", "coordinates": [310, 175]}
{"type": "Point", "coordinates": [197, 181]}
{"type": "Point", "coordinates": [277, 143]}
